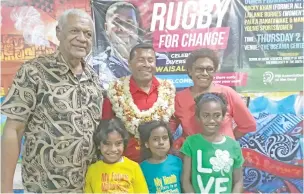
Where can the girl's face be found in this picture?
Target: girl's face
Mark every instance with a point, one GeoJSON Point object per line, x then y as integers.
{"type": "Point", "coordinates": [159, 143]}
{"type": "Point", "coordinates": [112, 149]}
{"type": "Point", "coordinates": [211, 117]}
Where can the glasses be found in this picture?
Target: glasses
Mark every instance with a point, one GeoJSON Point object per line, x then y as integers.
{"type": "Point", "coordinates": [200, 70]}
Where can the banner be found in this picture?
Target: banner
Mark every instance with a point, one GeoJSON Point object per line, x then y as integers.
{"type": "Point", "coordinates": [175, 28]}
{"type": "Point", "coordinates": [273, 79]}
{"type": "Point", "coordinates": [273, 33]}
{"type": "Point", "coordinates": [262, 162]}
{"type": "Point", "coordinates": [14, 48]}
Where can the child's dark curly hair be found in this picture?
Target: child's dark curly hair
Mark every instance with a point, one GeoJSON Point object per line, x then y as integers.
{"type": "Point", "coordinates": [207, 97]}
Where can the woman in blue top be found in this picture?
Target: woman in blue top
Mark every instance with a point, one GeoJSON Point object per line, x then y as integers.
{"type": "Point", "coordinates": [161, 169]}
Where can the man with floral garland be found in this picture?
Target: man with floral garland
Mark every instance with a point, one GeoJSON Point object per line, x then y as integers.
{"type": "Point", "coordinates": [140, 97]}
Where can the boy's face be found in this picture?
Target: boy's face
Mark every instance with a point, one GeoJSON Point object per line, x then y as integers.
{"type": "Point", "coordinates": [112, 149]}
{"type": "Point", "coordinates": [211, 117]}
{"type": "Point", "coordinates": [159, 143]}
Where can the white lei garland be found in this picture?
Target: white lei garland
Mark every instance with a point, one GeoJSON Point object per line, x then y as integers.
{"type": "Point", "coordinates": [123, 104]}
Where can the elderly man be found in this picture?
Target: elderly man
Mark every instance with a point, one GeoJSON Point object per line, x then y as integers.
{"type": "Point", "coordinates": [140, 97]}
{"type": "Point", "coordinates": [55, 102]}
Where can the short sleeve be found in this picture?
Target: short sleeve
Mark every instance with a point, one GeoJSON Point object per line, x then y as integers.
{"type": "Point", "coordinates": [239, 159]}
{"type": "Point", "coordinates": [20, 102]}
{"type": "Point", "coordinates": [186, 149]}
{"type": "Point", "coordinates": [180, 165]}
{"type": "Point", "coordinates": [180, 162]}
{"type": "Point", "coordinates": [139, 183]}
{"type": "Point", "coordinates": [88, 179]}
{"type": "Point", "coordinates": [175, 121]}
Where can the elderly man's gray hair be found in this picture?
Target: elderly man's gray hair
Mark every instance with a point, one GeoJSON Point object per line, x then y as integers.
{"type": "Point", "coordinates": [78, 12]}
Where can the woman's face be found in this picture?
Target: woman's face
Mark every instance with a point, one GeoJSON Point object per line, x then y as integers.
{"type": "Point", "coordinates": [202, 72]}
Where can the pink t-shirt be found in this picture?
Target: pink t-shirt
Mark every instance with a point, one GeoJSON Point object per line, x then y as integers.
{"type": "Point", "coordinates": [236, 110]}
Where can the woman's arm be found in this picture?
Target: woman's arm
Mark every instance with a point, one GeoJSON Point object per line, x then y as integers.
{"type": "Point", "coordinates": [237, 180]}
{"type": "Point", "coordinates": [186, 175]}
{"type": "Point", "coordinates": [241, 115]}
{"type": "Point", "coordinates": [175, 121]}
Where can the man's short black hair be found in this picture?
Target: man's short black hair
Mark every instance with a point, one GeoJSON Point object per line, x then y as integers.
{"type": "Point", "coordinates": [140, 46]}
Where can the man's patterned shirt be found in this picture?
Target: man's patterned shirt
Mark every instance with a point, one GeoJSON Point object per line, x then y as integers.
{"type": "Point", "coordinates": [61, 113]}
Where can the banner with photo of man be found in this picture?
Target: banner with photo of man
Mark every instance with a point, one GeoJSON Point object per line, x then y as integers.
{"type": "Point", "coordinates": [175, 28]}
{"type": "Point", "coordinates": [251, 57]}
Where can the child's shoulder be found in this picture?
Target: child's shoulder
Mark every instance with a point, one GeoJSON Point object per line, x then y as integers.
{"type": "Point", "coordinates": [230, 140]}
{"type": "Point", "coordinates": [192, 137]}
{"type": "Point", "coordinates": [174, 158]}
{"type": "Point", "coordinates": [235, 144]}
{"type": "Point", "coordinates": [130, 162]}
{"type": "Point", "coordinates": [96, 164]}
{"type": "Point", "coordinates": [171, 160]}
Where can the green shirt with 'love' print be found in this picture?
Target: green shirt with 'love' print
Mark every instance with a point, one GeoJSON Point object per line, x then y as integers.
{"type": "Point", "coordinates": [212, 163]}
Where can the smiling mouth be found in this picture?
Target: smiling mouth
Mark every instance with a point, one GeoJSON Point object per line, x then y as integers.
{"type": "Point", "coordinates": [146, 72]}
{"type": "Point", "coordinates": [80, 47]}
{"type": "Point", "coordinates": [112, 155]}
{"type": "Point", "coordinates": [211, 125]}
{"type": "Point", "coordinates": [203, 79]}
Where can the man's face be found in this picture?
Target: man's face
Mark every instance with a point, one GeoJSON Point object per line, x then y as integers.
{"type": "Point", "coordinates": [76, 36]}
{"type": "Point", "coordinates": [122, 30]}
{"type": "Point", "coordinates": [143, 64]}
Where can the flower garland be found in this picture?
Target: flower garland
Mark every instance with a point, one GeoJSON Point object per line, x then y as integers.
{"type": "Point", "coordinates": [125, 109]}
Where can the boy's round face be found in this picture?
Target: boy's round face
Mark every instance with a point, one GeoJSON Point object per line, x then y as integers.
{"type": "Point", "coordinates": [159, 143]}
{"type": "Point", "coordinates": [112, 149]}
{"type": "Point", "coordinates": [211, 117]}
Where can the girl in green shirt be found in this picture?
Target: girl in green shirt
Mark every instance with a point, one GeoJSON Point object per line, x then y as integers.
{"type": "Point", "coordinates": [212, 162]}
